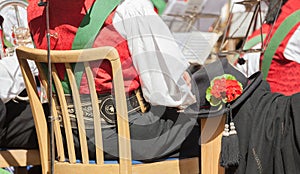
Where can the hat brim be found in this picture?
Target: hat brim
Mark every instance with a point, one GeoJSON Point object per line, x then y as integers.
{"type": "Point", "coordinates": [210, 111]}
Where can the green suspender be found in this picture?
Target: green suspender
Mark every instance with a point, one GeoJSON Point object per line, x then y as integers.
{"type": "Point", "coordinates": [5, 41]}
{"type": "Point", "coordinates": [92, 23]}
{"type": "Point", "coordinates": [254, 41]}
{"type": "Point", "coordinates": [277, 38]}
{"type": "Point", "coordinates": [251, 43]}
{"type": "Point", "coordinates": [94, 19]}
{"type": "Point", "coordinates": [88, 31]}
{"type": "Point", "coordinates": [160, 5]}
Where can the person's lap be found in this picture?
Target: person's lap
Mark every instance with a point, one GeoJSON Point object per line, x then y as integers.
{"type": "Point", "coordinates": [160, 133]}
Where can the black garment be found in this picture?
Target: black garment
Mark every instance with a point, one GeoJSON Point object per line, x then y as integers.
{"type": "Point", "coordinates": [16, 125]}
{"type": "Point", "coordinates": [274, 10]}
{"type": "Point", "coordinates": [2, 117]}
{"type": "Point", "coordinates": [268, 124]}
{"type": "Point", "coordinates": [269, 132]}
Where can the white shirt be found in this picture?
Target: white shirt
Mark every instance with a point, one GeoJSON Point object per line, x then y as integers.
{"type": "Point", "coordinates": [155, 54]}
{"type": "Point", "coordinates": [252, 63]}
{"type": "Point", "coordinates": [292, 49]}
{"type": "Point", "coordinates": [12, 83]}
{"type": "Point", "coordinates": [291, 52]}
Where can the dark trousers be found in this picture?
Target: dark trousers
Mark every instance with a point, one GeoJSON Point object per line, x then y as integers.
{"type": "Point", "coordinates": [17, 126]}
{"type": "Point", "coordinates": [160, 133]}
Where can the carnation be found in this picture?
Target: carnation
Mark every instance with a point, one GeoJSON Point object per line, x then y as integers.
{"type": "Point", "coordinates": [223, 89]}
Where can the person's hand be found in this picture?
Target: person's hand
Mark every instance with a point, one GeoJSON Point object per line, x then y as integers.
{"type": "Point", "coordinates": [187, 79]}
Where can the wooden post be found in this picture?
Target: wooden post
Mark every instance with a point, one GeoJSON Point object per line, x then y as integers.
{"type": "Point", "coordinates": [211, 134]}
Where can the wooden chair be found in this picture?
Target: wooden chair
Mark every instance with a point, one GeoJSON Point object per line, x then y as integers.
{"type": "Point", "coordinates": [19, 159]}
{"type": "Point", "coordinates": [71, 165]}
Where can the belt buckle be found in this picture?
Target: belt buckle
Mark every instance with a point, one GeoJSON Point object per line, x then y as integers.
{"type": "Point", "coordinates": [108, 110]}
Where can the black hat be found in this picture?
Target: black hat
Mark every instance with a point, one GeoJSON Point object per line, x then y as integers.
{"type": "Point", "coordinates": [201, 81]}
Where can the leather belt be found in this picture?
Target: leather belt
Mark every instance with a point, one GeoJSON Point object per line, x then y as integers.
{"type": "Point", "coordinates": [135, 103]}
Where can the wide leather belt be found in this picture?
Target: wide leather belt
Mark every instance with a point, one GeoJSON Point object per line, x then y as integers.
{"type": "Point", "coordinates": [135, 103]}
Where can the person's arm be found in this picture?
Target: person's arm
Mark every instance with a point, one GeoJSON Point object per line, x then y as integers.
{"type": "Point", "coordinates": [155, 54]}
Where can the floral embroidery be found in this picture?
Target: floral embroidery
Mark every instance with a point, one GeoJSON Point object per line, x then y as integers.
{"type": "Point", "coordinates": [223, 89]}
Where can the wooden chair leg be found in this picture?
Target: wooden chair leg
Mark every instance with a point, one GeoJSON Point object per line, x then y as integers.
{"type": "Point", "coordinates": [211, 134]}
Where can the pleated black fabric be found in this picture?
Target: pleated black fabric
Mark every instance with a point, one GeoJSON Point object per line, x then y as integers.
{"type": "Point", "coordinates": [268, 126]}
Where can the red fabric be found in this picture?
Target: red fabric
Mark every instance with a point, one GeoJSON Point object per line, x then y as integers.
{"type": "Point", "coordinates": [156, 10]}
{"type": "Point", "coordinates": [265, 29]}
{"type": "Point", "coordinates": [1, 36]}
{"type": "Point", "coordinates": [65, 18]}
{"type": "Point", "coordinates": [284, 75]}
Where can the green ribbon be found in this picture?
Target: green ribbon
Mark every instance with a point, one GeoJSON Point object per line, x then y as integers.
{"type": "Point", "coordinates": [276, 39]}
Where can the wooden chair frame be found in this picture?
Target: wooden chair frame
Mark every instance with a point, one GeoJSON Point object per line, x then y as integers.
{"type": "Point", "coordinates": [19, 159]}
{"type": "Point", "coordinates": [61, 164]}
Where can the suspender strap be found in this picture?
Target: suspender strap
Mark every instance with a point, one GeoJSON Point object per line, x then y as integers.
{"type": "Point", "coordinates": [92, 23]}
{"type": "Point", "coordinates": [87, 33]}
{"type": "Point", "coordinates": [254, 41]}
{"type": "Point", "coordinates": [160, 5]}
{"type": "Point", "coordinates": [277, 38]}
{"type": "Point", "coordinates": [251, 43]}
{"type": "Point", "coordinates": [6, 42]}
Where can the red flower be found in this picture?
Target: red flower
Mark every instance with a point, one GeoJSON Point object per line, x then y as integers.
{"type": "Point", "coordinates": [224, 89]}
{"type": "Point", "coordinates": [233, 90]}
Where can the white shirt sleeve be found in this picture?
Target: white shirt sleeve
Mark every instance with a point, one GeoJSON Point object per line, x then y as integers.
{"type": "Point", "coordinates": [155, 54]}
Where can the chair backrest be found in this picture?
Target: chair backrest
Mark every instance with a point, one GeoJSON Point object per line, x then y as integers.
{"type": "Point", "coordinates": [65, 152]}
